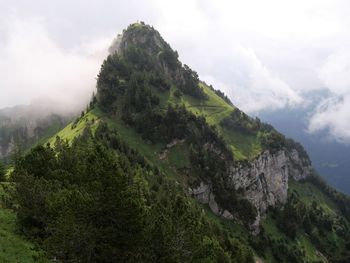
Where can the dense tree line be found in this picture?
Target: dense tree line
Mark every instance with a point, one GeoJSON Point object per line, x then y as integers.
{"type": "Point", "coordinates": [100, 201]}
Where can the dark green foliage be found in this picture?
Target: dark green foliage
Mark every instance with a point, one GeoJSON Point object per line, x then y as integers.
{"type": "Point", "coordinates": [273, 141]}
{"type": "Point", "coordinates": [2, 172]}
{"type": "Point", "coordinates": [342, 200]}
{"type": "Point", "coordinates": [188, 84]}
{"type": "Point", "coordinates": [170, 58]}
{"type": "Point", "coordinates": [99, 201]}
{"type": "Point", "coordinates": [313, 220]}
{"type": "Point", "coordinates": [109, 85]}
{"type": "Point", "coordinates": [239, 121]}
{"type": "Point", "coordinates": [177, 93]}
{"type": "Point", "coordinates": [211, 166]}
{"type": "Point", "coordinates": [146, 57]}
{"type": "Point", "coordinates": [292, 217]}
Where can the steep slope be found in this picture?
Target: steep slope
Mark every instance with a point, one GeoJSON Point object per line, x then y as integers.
{"type": "Point", "coordinates": [254, 186]}
{"type": "Point", "coordinates": [144, 77]}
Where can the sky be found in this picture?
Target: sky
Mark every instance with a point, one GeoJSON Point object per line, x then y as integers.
{"type": "Point", "coordinates": [265, 55]}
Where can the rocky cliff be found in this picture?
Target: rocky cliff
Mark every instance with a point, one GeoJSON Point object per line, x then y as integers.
{"type": "Point", "coordinates": [264, 182]}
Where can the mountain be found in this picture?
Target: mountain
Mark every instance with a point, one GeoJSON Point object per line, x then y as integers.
{"type": "Point", "coordinates": [329, 157]}
{"type": "Point", "coordinates": [24, 126]}
{"type": "Point", "coordinates": [162, 167]}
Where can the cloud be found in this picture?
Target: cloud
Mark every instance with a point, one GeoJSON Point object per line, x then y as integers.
{"type": "Point", "coordinates": [33, 65]}
{"type": "Point", "coordinates": [250, 84]}
{"type": "Point", "coordinates": [266, 55]}
{"type": "Point", "coordinates": [333, 114]}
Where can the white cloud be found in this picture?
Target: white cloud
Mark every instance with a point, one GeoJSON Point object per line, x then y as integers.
{"type": "Point", "coordinates": [263, 54]}
{"type": "Point", "coordinates": [250, 84]}
{"type": "Point", "coordinates": [32, 65]}
{"type": "Point", "coordinates": [333, 114]}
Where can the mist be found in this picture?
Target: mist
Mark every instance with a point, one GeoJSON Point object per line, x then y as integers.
{"type": "Point", "coordinates": [265, 55]}
{"type": "Point", "coordinates": [36, 70]}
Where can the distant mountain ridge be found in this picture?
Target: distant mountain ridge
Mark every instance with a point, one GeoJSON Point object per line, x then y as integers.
{"type": "Point", "coordinates": [23, 126]}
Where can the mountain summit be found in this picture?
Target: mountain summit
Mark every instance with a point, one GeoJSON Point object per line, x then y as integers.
{"type": "Point", "coordinates": [161, 167]}
{"type": "Point", "coordinates": [144, 80]}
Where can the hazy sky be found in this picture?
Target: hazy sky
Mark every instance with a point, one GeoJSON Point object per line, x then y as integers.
{"type": "Point", "coordinates": [264, 54]}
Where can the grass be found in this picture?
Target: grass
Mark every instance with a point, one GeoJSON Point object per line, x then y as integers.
{"type": "Point", "coordinates": [70, 132]}
{"type": "Point", "coordinates": [309, 193]}
{"type": "Point", "coordinates": [234, 228]}
{"type": "Point", "coordinates": [179, 156]}
{"type": "Point", "coordinates": [243, 146]}
{"type": "Point", "coordinates": [148, 150]}
{"type": "Point", "coordinates": [301, 241]}
{"type": "Point", "coordinates": [13, 247]}
{"type": "Point", "coordinates": [214, 110]}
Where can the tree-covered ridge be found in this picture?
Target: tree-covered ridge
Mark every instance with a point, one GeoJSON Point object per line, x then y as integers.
{"type": "Point", "coordinates": [110, 204]}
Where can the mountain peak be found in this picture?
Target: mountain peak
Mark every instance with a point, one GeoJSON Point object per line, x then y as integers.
{"type": "Point", "coordinates": [139, 35]}
{"type": "Point", "coordinates": [141, 48]}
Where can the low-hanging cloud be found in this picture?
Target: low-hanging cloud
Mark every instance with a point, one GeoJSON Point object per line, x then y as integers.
{"type": "Point", "coordinates": [34, 66]}
{"type": "Point", "coordinates": [250, 84]}
{"type": "Point", "coordinates": [270, 57]}
{"type": "Point", "coordinates": [333, 114]}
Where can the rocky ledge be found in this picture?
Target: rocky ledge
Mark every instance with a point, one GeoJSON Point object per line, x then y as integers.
{"type": "Point", "coordinates": [264, 182]}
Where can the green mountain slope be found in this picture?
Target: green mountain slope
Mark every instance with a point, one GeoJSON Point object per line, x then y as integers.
{"type": "Point", "coordinates": [153, 135]}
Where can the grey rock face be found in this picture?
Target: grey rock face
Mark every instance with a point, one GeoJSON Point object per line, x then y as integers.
{"type": "Point", "coordinates": [204, 194]}
{"type": "Point", "coordinates": [264, 182]}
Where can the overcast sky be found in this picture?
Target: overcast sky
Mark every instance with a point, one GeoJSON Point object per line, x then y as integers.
{"type": "Point", "coordinates": [265, 55]}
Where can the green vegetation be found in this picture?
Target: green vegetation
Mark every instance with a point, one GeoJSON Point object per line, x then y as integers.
{"type": "Point", "coordinates": [13, 247]}
{"type": "Point", "coordinates": [111, 204]}
{"type": "Point", "coordinates": [72, 130]}
{"type": "Point", "coordinates": [310, 226]}
{"type": "Point", "coordinates": [113, 184]}
{"type": "Point", "coordinates": [2, 172]}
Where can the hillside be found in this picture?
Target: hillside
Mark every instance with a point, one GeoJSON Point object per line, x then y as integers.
{"type": "Point", "coordinates": [162, 167]}
{"type": "Point", "coordinates": [26, 125]}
